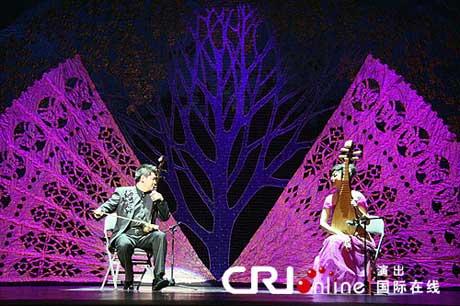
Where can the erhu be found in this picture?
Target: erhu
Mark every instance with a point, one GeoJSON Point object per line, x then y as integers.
{"type": "Point", "coordinates": [344, 211]}
{"type": "Point", "coordinates": [159, 170]}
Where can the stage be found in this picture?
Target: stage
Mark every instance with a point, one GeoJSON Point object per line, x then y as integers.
{"type": "Point", "coordinates": [201, 295]}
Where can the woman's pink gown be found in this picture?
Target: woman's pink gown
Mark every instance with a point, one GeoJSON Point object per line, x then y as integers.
{"type": "Point", "coordinates": [338, 263]}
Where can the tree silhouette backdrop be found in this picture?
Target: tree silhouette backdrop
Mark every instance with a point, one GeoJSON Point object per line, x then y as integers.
{"type": "Point", "coordinates": [230, 124]}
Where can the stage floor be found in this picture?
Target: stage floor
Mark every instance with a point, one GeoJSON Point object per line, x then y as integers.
{"type": "Point", "coordinates": [84, 295]}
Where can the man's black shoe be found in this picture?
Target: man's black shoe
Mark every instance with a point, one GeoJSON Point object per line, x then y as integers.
{"type": "Point", "coordinates": [128, 286]}
{"type": "Point", "coordinates": [159, 284]}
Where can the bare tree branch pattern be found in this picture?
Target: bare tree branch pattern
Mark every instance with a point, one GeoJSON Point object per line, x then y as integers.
{"type": "Point", "coordinates": [231, 101]}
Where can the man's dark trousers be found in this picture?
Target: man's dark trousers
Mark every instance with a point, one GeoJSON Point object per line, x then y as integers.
{"type": "Point", "coordinates": [154, 243]}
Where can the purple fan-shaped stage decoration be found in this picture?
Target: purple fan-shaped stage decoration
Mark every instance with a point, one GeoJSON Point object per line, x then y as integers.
{"type": "Point", "coordinates": [409, 173]}
{"type": "Point", "coordinates": [61, 155]}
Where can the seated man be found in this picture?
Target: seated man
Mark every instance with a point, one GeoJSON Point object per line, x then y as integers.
{"type": "Point", "coordinates": [342, 255]}
{"type": "Point", "coordinates": [140, 202]}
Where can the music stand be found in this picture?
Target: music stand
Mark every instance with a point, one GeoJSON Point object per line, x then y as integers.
{"type": "Point", "coordinates": [172, 229]}
{"type": "Point", "coordinates": [363, 221]}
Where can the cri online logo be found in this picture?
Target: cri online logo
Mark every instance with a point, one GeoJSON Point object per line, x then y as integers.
{"type": "Point", "coordinates": [302, 286]}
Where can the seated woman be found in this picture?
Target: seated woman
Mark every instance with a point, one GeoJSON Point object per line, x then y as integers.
{"type": "Point", "coordinates": [341, 258]}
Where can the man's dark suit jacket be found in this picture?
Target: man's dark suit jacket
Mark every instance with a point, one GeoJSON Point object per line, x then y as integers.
{"type": "Point", "coordinates": [123, 202]}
